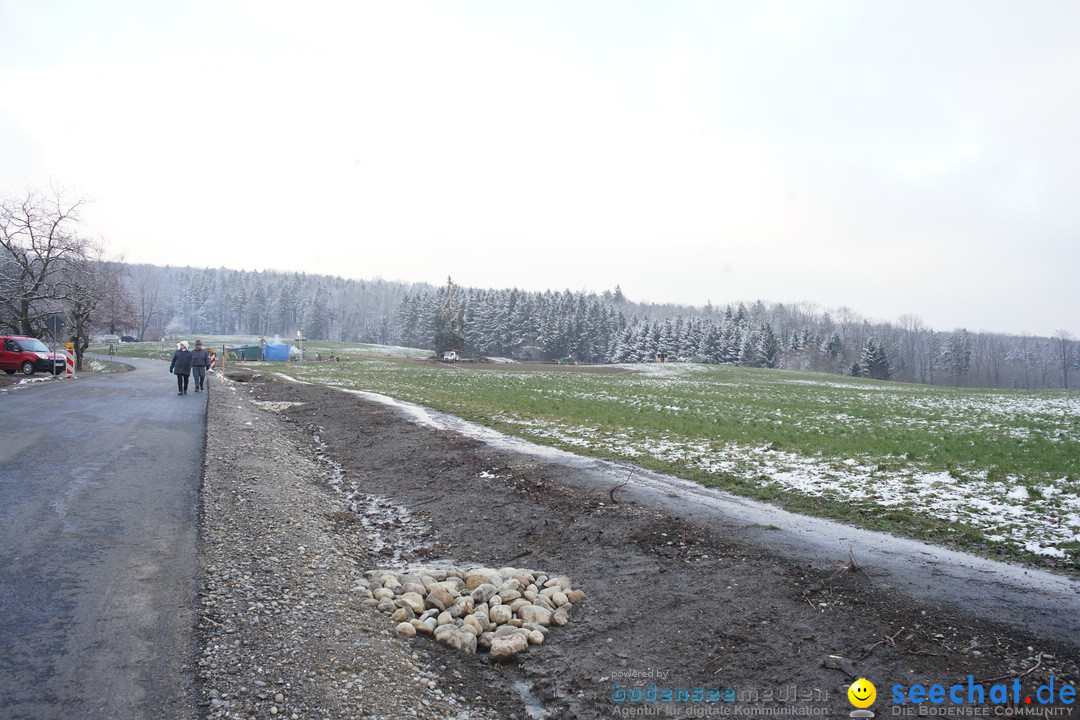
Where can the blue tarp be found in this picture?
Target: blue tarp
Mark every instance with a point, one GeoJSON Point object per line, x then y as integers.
{"type": "Point", "coordinates": [278, 351]}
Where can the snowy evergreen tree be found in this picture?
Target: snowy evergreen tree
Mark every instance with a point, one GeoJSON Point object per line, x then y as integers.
{"type": "Point", "coordinates": [873, 361]}
{"type": "Point", "coordinates": [767, 349]}
{"type": "Point", "coordinates": [449, 326]}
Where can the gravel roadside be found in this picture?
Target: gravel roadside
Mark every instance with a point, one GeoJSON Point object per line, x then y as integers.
{"type": "Point", "coordinates": [282, 631]}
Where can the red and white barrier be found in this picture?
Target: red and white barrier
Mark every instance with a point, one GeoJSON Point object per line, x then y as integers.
{"type": "Point", "coordinates": [69, 355]}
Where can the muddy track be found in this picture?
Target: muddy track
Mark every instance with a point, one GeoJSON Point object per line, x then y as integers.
{"type": "Point", "coordinates": [669, 601]}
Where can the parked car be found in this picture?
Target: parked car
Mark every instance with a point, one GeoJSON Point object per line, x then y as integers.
{"type": "Point", "coordinates": [128, 338]}
{"type": "Point", "coordinates": [28, 355]}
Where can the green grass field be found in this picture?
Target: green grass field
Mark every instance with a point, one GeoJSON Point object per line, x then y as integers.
{"type": "Point", "coordinates": [992, 471]}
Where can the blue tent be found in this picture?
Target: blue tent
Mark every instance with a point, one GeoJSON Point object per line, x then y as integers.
{"type": "Point", "coordinates": [276, 351]}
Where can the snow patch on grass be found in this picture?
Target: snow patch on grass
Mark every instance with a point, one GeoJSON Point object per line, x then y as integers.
{"type": "Point", "coordinates": [1005, 511]}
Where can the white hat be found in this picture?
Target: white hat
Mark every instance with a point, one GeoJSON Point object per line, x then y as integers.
{"type": "Point", "coordinates": [183, 344]}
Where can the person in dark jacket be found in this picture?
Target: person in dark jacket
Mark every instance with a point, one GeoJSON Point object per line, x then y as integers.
{"type": "Point", "coordinates": [181, 365]}
{"type": "Point", "coordinates": [200, 363]}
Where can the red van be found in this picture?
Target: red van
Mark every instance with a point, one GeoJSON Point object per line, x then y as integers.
{"type": "Point", "coordinates": [28, 355]}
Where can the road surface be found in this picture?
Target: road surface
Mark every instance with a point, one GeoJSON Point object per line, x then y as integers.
{"type": "Point", "coordinates": [99, 491]}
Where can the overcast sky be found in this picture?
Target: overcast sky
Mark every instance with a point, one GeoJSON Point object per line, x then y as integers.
{"type": "Point", "coordinates": [894, 157]}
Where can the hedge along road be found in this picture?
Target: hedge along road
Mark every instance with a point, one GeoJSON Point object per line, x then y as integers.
{"type": "Point", "coordinates": [99, 488]}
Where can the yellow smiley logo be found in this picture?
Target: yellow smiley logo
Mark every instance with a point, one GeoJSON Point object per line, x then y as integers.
{"type": "Point", "coordinates": [862, 693]}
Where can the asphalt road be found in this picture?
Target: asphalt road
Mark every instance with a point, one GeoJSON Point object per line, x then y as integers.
{"type": "Point", "coordinates": [99, 492]}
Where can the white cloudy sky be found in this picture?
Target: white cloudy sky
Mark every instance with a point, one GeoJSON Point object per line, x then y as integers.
{"type": "Point", "coordinates": [895, 157]}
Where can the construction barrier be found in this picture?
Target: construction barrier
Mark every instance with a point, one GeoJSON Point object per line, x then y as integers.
{"type": "Point", "coordinates": [69, 354]}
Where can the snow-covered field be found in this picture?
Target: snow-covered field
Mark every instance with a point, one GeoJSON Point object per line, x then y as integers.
{"type": "Point", "coordinates": [1043, 520]}
{"type": "Point", "coordinates": [1004, 464]}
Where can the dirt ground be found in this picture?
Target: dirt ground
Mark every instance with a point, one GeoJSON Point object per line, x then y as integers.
{"type": "Point", "coordinates": [668, 602]}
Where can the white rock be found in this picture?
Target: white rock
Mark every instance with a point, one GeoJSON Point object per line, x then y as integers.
{"type": "Point", "coordinates": [441, 595]}
{"type": "Point", "coordinates": [535, 614]}
{"type": "Point", "coordinates": [562, 583]}
{"type": "Point", "coordinates": [506, 647]}
{"type": "Point", "coordinates": [406, 630]}
{"type": "Point", "coordinates": [478, 576]}
{"type": "Point", "coordinates": [444, 631]}
{"type": "Point", "coordinates": [403, 614]}
{"type": "Point", "coordinates": [412, 600]}
{"type": "Point", "coordinates": [472, 625]}
{"type": "Point", "coordinates": [484, 592]}
{"type": "Point", "coordinates": [511, 584]}
{"type": "Point", "coordinates": [509, 595]}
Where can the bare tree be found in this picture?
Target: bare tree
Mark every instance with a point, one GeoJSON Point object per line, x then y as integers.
{"type": "Point", "coordinates": [912, 327]}
{"type": "Point", "coordinates": [1024, 356]}
{"type": "Point", "coordinates": [147, 288]}
{"type": "Point", "coordinates": [116, 311]}
{"type": "Point", "coordinates": [996, 355]}
{"type": "Point", "coordinates": [1064, 339]}
{"type": "Point", "coordinates": [82, 281]}
{"type": "Point", "coordinates": [38, 240]}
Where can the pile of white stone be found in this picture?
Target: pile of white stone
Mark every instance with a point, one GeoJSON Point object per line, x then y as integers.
{"type": "Point", "coordinates": [503, 610]}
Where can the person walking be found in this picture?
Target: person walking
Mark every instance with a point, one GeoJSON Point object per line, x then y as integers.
{"type": "Point", "coordinates": [200, 364]}
{"type": "Point", "coordinates": [181, 366]}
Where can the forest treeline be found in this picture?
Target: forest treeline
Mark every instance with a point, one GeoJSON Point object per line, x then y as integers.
{"type": "Point", "coordinates": [589, 327]}
{"type": "Point", "coordinates": [52, 276]}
